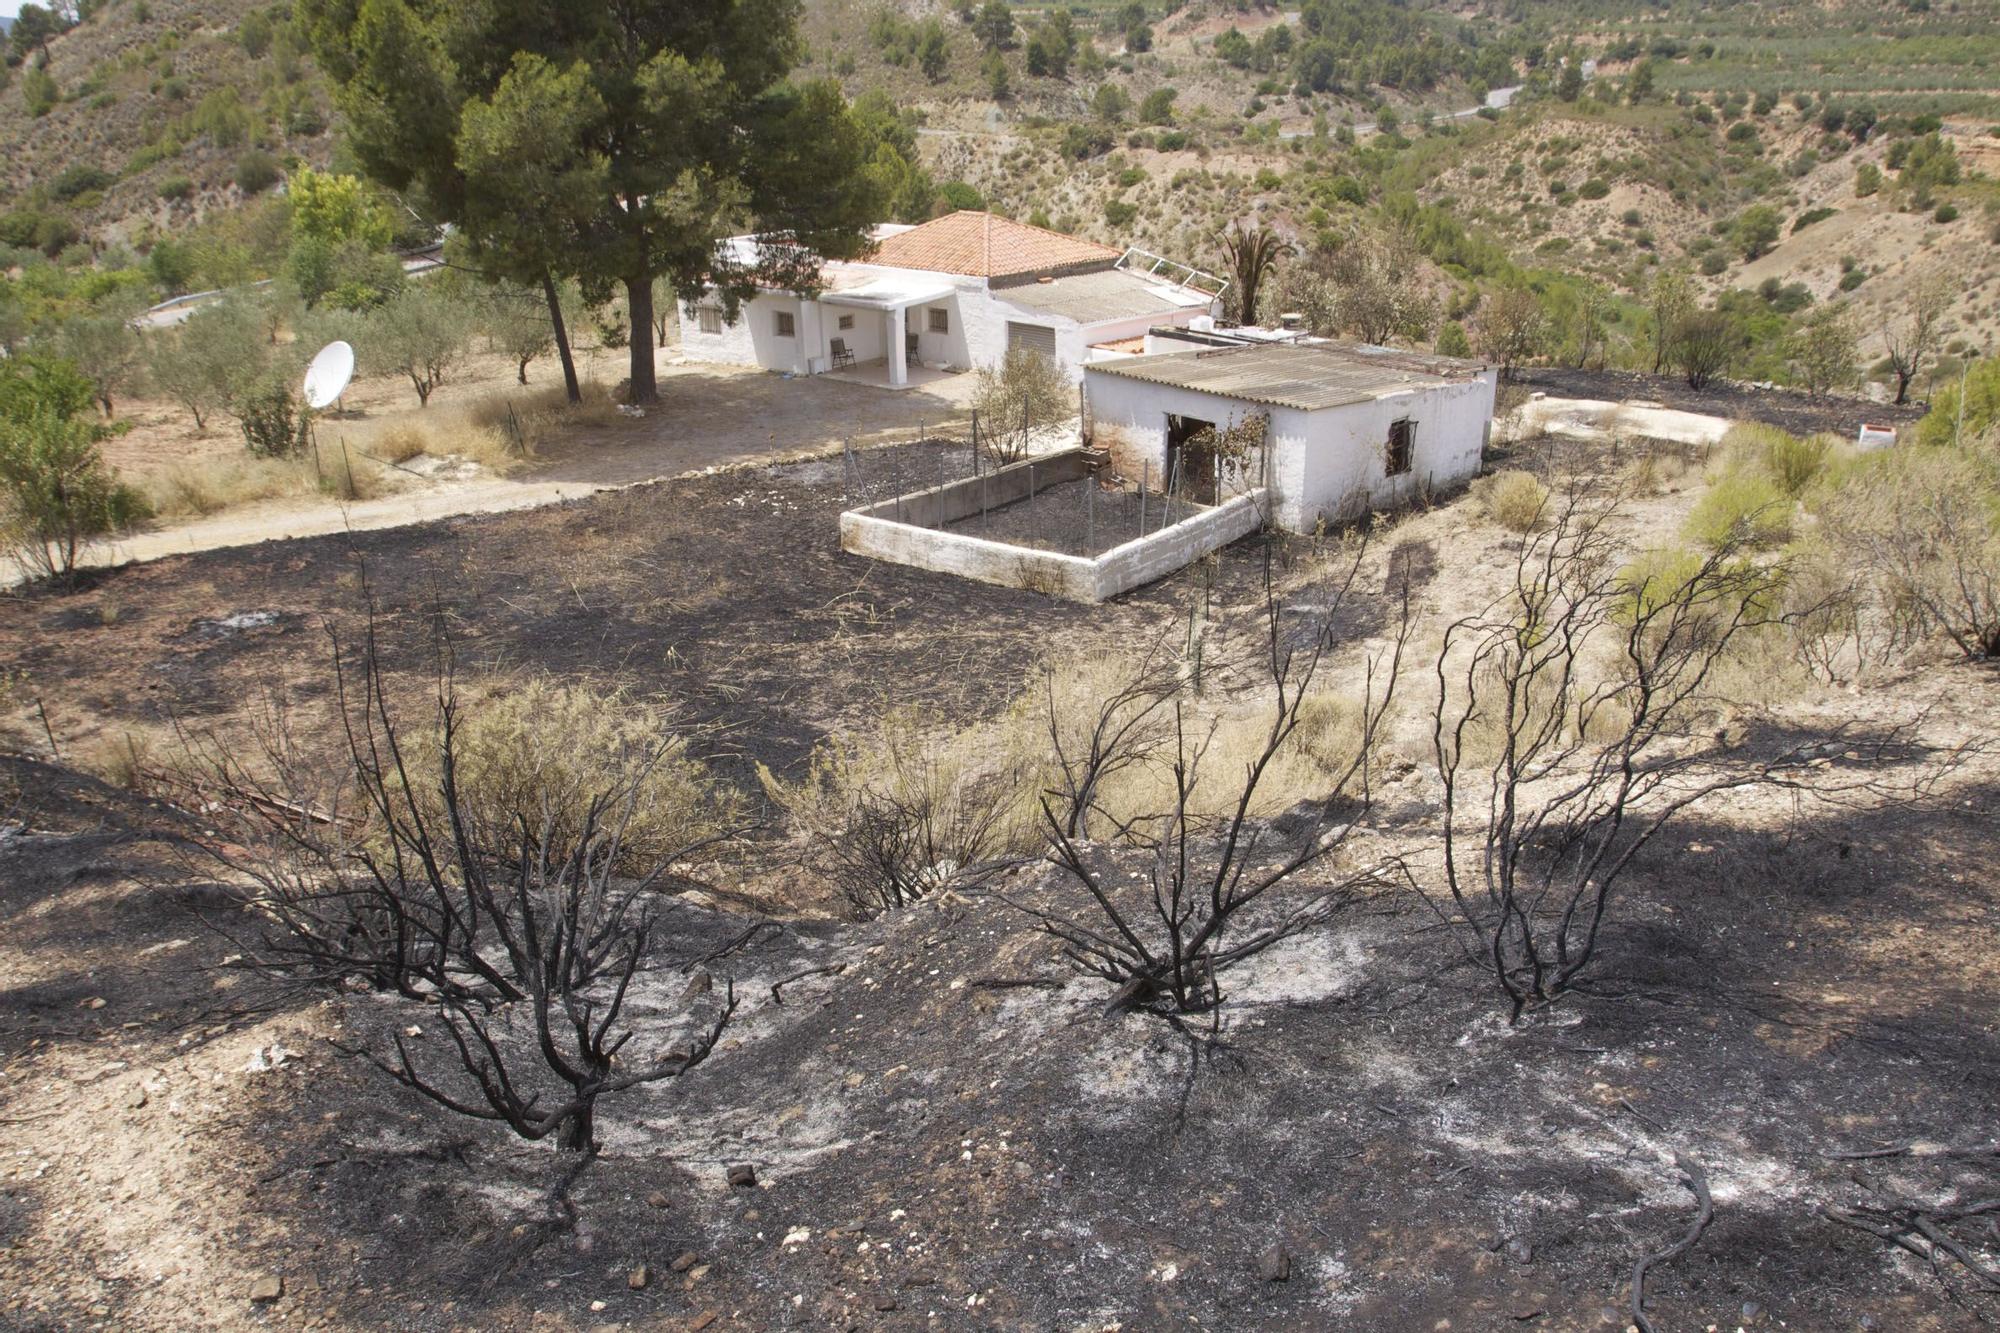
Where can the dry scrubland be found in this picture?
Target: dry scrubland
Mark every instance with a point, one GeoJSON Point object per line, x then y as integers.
{"type": "Point", "coordinates": [944, 1125]}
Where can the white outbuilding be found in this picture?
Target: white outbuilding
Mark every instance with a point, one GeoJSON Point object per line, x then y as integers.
{"type": "Point", "coordinates": [1346, 427]}
{"type": "Point", "coordinates": [953, 294]}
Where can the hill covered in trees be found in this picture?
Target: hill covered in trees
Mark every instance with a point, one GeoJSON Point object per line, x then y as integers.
{"type": "Point", "coordinates": [1778, 161]}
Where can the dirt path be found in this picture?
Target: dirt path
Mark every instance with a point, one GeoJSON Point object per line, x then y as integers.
{"type": "Point", "coordinates": [709, 416]}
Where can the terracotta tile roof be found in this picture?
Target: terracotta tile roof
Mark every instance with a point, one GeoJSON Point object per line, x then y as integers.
{"type": "Point", "coordinates": [981, 245]}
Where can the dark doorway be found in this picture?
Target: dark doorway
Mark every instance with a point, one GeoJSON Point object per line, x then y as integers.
{"type": "Point", "coordinates": [1402, 446]}
{"type": "Point", "coordinates": [1191, 458]}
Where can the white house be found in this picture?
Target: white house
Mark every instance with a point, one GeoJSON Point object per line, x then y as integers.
{"type": "Point", "coordinates": [954, 294]}
{"type": "Point", "coordinates": [1348, 427]}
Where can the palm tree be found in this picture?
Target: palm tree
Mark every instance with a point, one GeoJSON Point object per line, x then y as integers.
{"type": "Point", "coordinates": [1252, 252]}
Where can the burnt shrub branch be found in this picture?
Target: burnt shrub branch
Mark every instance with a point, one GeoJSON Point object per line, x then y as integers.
{"type": "Point", "coordinates": [509, 910]}
{"type": "Point", "coordinates": [1578, 716]}
{"type": "Point", "coordinates": [1217, 883]}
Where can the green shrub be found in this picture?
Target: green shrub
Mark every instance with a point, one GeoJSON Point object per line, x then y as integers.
{"type": "Point", "coordinates": [1742, 506]}
{"type": "Point", "coordinates": [256, 172]}
{"type": "Point", "coordinates": [57, 494]}
{"type": "Point", "coordinates": [1810, 216]}
{"type": "Point", "coordinates": [1788, 461]}
{"type": "Point", "coordinates": [1120, 214]}
{"type": "Point", "coordinates": [1594, 188]}
{"type": "Point", "coordinates": [1946, 213]}
{"type": "Point", "coordinates": [274, 425]}
{"type": "Point", "coordinates": [38, 92]}
{"type": "Point", "coordinates": [1851, 279]}
{"type": "Point", "coordinates": [176, 188]}
{"type": "Point", "coordinates": [81, 179]}
{"type": "Point", "coordinates": [961, 196]}
{"type": "Point", "coordinates": [1514, 500]}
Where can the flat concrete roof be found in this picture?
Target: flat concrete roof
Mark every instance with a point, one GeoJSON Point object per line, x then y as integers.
{"type": "Point", "coordinates": [1308, 377]}
{"type": "Point", "coordinates": [888, 292]}
{"type": "Point", "coordinates": [1092, 298]}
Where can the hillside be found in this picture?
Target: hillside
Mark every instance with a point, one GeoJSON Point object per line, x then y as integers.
{"type": "Point", "coordinates": [164, 111]}
{"type": "Point", "coordinates": [1701, 130]}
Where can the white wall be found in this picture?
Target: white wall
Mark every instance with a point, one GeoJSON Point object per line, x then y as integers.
{"type": "Point", "coordinates": [1345, 454]}
{"type": "Point", "coordinates": [977, 336]}
{"type": "Point", "coordinates": [753, 340]}
{"type": "Point", "coordinates": [1326, 464]}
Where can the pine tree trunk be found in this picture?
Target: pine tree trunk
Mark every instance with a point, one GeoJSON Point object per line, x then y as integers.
{"type": "Point", "coordinates": [562, 340]}
{"type": "Point", "coordinates": [639, 309]}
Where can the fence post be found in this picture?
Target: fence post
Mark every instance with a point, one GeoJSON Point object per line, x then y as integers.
{"type": "Point", "coordinates": [1090, 514]}
{"type": "Point", "coordinates": [975, 441]}
{"type": "Point", "coordinates": [1145, 480]}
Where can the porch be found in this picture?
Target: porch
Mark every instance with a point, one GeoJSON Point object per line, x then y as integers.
{"type": "Point", "coordinates": [877, 375]}
{"type": "Point", "coordinates": [867, 335]}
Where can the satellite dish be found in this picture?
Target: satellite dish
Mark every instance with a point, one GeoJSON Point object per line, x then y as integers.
{"type": "Point", "coordinates": [327, 376]}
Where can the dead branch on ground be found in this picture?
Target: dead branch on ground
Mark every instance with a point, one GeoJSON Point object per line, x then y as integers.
{"type": "Point", "coordinates": [1696, 1181]}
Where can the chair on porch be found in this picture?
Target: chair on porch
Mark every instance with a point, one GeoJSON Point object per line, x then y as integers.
{"type": "Point", "coordinates": [843, 355]}
{"type": "Point", "coordinates": [910, 346]}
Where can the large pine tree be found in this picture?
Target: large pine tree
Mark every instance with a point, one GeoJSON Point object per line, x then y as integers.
{"type": "Point", "coordinates": [613, 141]}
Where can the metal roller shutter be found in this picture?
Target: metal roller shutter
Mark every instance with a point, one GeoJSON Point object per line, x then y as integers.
{"type": "Point", "coordinates": [1040, 337]}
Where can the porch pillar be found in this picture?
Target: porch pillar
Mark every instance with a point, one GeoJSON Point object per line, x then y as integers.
{"type": "Point", "coordinates": [899, 370]}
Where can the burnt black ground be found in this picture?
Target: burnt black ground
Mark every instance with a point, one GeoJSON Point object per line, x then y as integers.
{"type": "Point", "coordinates": [950, 1134]}
{"type": "Point", "coordinates": [1840, 414]}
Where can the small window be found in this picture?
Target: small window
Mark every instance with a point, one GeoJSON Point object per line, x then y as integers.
{"type": "Point", "coordinates": [787, 326]}
{"type": "Point", "coordinates": [1402, 442]}
{"type": "Point", "coordinates": [711, 319]}
{"type": "Point", "coordinates": [940, 320]}
{"type": "Point", "coordinates": [846, 323]}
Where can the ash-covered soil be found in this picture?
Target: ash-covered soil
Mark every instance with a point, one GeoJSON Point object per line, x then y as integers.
{"type": "Point", "coordinates": [1076, 518]}
{"type": "Point", "coordinates": [948, 1132]}
{"type": "Point", "coordinates": [1787, 409]}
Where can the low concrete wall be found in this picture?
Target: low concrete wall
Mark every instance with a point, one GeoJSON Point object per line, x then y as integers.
{"type": "Point", "coordinates": [1156, 555]}
{"type": "Point", "coordinates": [874, 532]}
{"type": "Point", "coordinates": [936, 506]}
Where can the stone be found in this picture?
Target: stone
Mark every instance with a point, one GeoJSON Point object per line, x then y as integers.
{"type": "Point", "coordinates": [1871, 1323]}
{"type": "Point", "coordinates": [702, 1320]}
{"type": "Point", "coordinates": [135, 1099]}
{"type": "Point", "coordinates": [686, 1260]}
{"type": "Point", "coordinates": [1611, 1317]}
{"type": "Point", "coordinates": [656, 1200]}
{"type": "Point", "coordinates": [743, 1176]}
{"type": "Point", "coordinates": [885, 1303]}
{"type": "Point", "coordinates": [1520, 1251]}
{"type": "Point", "coordinates": [267, 1289]}
{"type": "Point", "coordinates": [1275, 1263]}
{"type": "Point", "coordinates": [698, 985]}
{"type": "Point", "coordinates": [1753, 1314]}
{"type": "Point", "coordinates": [637, 1278]}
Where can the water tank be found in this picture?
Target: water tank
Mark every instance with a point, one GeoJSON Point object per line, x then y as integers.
{"type": "Point", "coordinates": [1202, 323]}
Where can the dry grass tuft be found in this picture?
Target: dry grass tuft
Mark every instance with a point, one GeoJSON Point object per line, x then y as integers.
{"type": "Point", "coordinates": [193, 490]}
{"type": "Point", "coordinates": [1514, 500]}
{"type": "Point", "coordinates": [128, 759]}
{"type": "Point", "coordinates": [552, 747]}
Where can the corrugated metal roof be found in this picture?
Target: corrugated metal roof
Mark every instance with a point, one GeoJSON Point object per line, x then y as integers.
{"type": "Point", "coordinates": [1091, 298]}
{"type": "Point", "coordinates": [1304, 377]}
